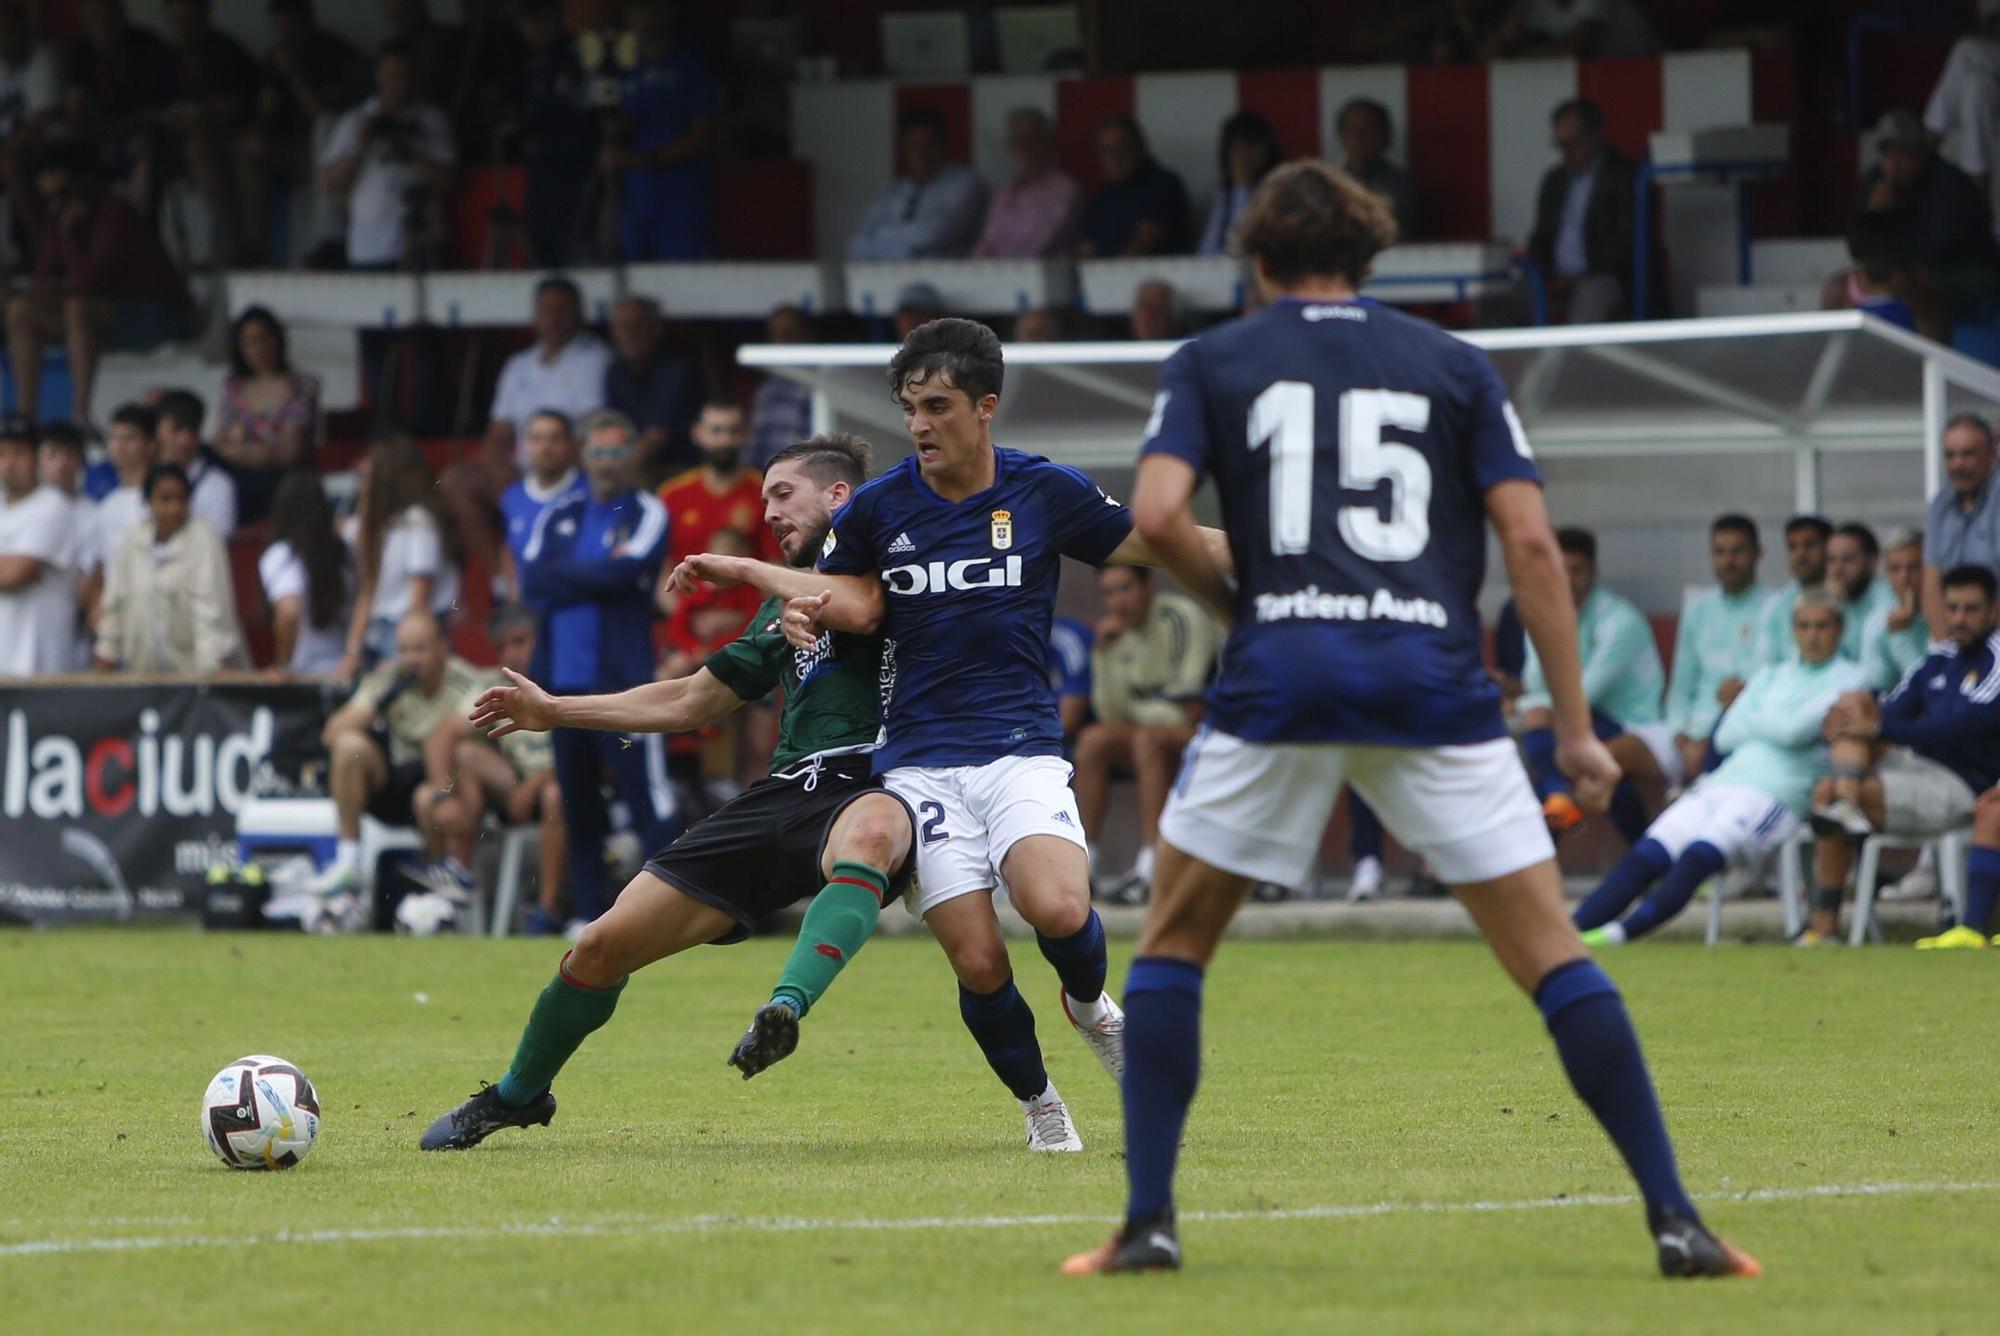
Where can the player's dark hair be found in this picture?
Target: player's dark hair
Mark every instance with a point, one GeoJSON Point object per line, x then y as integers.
{"type": "Point", "coordinates": [1863, 535]}
{"type": "Point", "coordinates": [1587, 113]}
{"type": "Point", "coordinates": [964, 352]}
{"type": "Point", "coordinates": [1813, 522]}
{"type": "Point", "coordinates": [302, 519]}
{"type": "Point", "coordinates": [1972, 420]}
{"type": "Point", "coordinates": [925, 118]}
{"type": "Point", "coordinates": [828, 458]}
{"type": "Point", "coordinates": [183, 408]}
{"type": "Point", "coordinates": [1371, 107]}
{"type": "Point", "coordinates": [160, 473]}
{"type": "Point", "coordinates": [1958, 577]}
{"type": "Point", "coordinates": [1578, 543]}
{"type": "Point", "coordinates": [508, 616]}
{"type": "Point", "coordinates": [136, 415]}
{"type": "Point", "coordinates": [1735, 523]}
{"type": "Point", "coordinates": [1311, 219]}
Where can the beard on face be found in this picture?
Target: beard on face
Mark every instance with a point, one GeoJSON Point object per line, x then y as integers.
{"type": "Point", "coordinates": [723, 459]}
{"type": "Point", "coordinates": [808, 553]}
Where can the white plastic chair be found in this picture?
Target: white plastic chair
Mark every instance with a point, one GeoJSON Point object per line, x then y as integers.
{"type": "Point", "coordinates": [516, 842]}
{"type": "Point", "coordinates": [1952, 848]}
{"type": "Point", "coordinates": [1791, 889]}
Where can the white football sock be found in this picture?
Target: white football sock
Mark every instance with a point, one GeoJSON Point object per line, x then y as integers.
{"type": "Point", "coordinates": [1614, 932]}
{"type": "Point", "coordinates": [1088, 1013]}
{"type": "Point", "coordinates": [347, 853]}
{"type": "Point", "coordinates": [1142, 863]}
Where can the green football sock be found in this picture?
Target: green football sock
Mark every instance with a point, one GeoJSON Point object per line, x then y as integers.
{"type": "Point", "coordinates": [838, 922]}
{"type": "Point", "coordinates": [563, 1018]}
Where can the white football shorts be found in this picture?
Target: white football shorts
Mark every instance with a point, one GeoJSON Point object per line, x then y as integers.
{"type": "Point", "coordinates": [1746, 825]}
{"type": "Point", "coordinates": [970, 816]}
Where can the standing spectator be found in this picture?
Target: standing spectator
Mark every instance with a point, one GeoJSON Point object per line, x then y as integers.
{"type": "Point", "coordinates": [119, 78]}
{"type": "Point", "coordinates": [1942, 220]}
{"type": "Point", "coordinates": [62, 465]}
{"type": "Point", "coordinates": [724, 493]}
{"type": "Point", "coordinates": [179, 415]}
{"type": "Point", "coordinates": [62, 470]}
{"type": "Point", "coordinates": [435, 48]}
{"type": "Point", "coordinates": [309, 76]}
{"type": "Point", "coordinates": [1583, 219]}
{"type": "Point", "coordinates": [1715, 648]}
{"type": "Point", "coordinates": [551, 475]}
{"type": "Point", "coordinates": [1805, 554]}
{"type": "Point", "coordinates": [711, 615]}
{"type": "Point", "coordinates": [1963, 528]}
{"type": "Point", "coordinates": [103, 282]}
{"type": "Point", "coordinates": [390, 160]}
{"type": "Point", "coordinates": [1149, 666]}
{"type": "Point", "coordinates": [590, 570]}
{"type": "Point", "coordinates": [307, 580]}
{"type": "Point", "coordinates": [558, 136]}
{"type": "Point", "coordinates": [214, 80]}
{"type": "Point", "coordinates": [1851, 557]}
{"type": "Point", "coordinates": [492, 62]}
{"type": "Point", "coordinates": [932, 210]}
{"type": "Point", "coordinates": [268, 422]}
{"type": "Point", "coordinates": [133, 449]}
{"type": "Point", "coordinates": [780, 409]}
{"type": "Point", "coordinates": [1034, 214]}
{"type": "Point", "coordinates": [1964, 106]}
{"type": "Point", "coordinates": [407, 551]}
{"type": "Point", "coordinates": [169, 602]}
{"type": "Point", "coordinates": [1157, 312]}
{"type": "Point", "coordinates": [654, 386]}
{"type": "Point", "coordinates": [1895, 639]}
{"type": "Point", "coordinates": [1247, 151]}
{"type": "Point", "coordinates": [1366, 130]}
{"type": "Point", "coordinates": [667, 158]}
{"type": "Point", "coordinates": [1142, 208]}
{"type": "Point", "coordinates": [37, 566]}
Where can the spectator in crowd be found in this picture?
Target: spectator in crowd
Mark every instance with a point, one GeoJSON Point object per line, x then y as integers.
{"type": "Point", "coordinates": [711, 615]}
{"type": "Point", "coordinates": [1913, 762]}
{"type": "Point", "coordinates": [62, 465]}
{"type": "Point", "coordinates": [551, 475]}
{"type": "Point", "coordinates": [390, 162]}
{"type": "Point", "coordinates": [1148, 668]}
{"type": "Point", "coordinates": [1142, 208]}
{"type": "Point", "coordinates": [590, 571]}
{"type": "Point", "coordinates": [1942, 220]}
{"type": "Point", "coordinates": [933, 209]}
{"type": "Point", "coordinates": [309, 76]}
{"type": "Point", "coordinates": [1248, 149]}
{"type": "Point", "coordinates": [435, 48]}
{"type": "Point", "coordinates": [558, 136]}
{"type": "Point", "coordinates": [656, 387]}
{"type": "Point", "coordinates": [118, 80]}
{"type": "Point", "coordinates": [666, 208]}
{"type": "Point", "coordinates": [1852, 554]}
{"type": "Point", "coordinates": [406, 549]}
{"type": "Point", "coordinates": [1622, 679]}
{"type": "Point", "coordinates": [1573, 28]}
{"type": "Point", "coordinates": [30, 89]}
{"type": "Point", "coordinates": [375, 742]}
{"type": "Point", "coordinates": [1715, 648]}
{"type": "Point", "coordinates": [1881, 282]}
{"type": "Point", "coordinates": [37, 562]}
{"type": "Point", "coordinates": [1040, 324]}
{"type": "Point", "coordinates": [268, 420]}
{"type": "Point", "coordinates": [1750, 807]}
{"type": "Point", "coordinates": [214, 80]}
{"type": "Point", "coordinates": [133, 448]}
{"type": "Point", "coordinates": [1157, 312]}
{"type": "Point", "coordinates": [169, 602]}
{"type": "Point", "coordinates": [308, 580]}
{"type": "Point", "coordinates": [1963, 527]}
{"type": "Point", "coordinates": [486, 90]}
{"type": "Point", "coordinates": [917, 304]}
{"type": "Point", "coordinates": [1806, 538]}
{"type": "Point", "coordinates": [102, 283]}
{"type": "Point", "coordinates": [1034, 213]}
{"type": "Point", "coordinates": [724, 493]}
{"type": "Point", "coordinates": [1894, 639]}
{"type": "Point", "coordinates": [1070, 643]}
{"type": "Point", "coordinates": [780, 409]}
{"type": "Point", "coordinates": [1410, 32]}
{"type": "Point", "coordinates": [179, 414]}
{"type": "Point", "coordinates": [1366, 131]}
{"type": "Point", "coordinates": [1583, 219]}
{"type": "Point", "coordinates": [1964, 107]}
{"type": "Point", "coordinates": [62, 470]}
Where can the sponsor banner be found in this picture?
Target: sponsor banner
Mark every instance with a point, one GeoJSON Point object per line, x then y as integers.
{"type": "Point", "coordinates": [117, 799]}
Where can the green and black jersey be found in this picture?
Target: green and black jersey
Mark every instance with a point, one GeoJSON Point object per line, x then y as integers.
{"type": "Point", "coordinates": [833, 692]}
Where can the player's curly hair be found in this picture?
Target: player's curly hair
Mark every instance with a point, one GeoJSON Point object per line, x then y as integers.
{"type": "Point", "coordinates": [828, 458]}
{"type": "Point", "coordinates": [1311, 219]}
{"type": "Point", "coordinates": [966, 352]}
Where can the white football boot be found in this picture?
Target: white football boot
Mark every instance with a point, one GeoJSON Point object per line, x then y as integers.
{"type": "Point", "coordinates": [1105, 1034]}
{"type": "Point", "coordinates": [1049, 1125]}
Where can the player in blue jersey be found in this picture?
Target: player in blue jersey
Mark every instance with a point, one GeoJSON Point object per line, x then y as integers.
{"type": "Point", "coordinates": [955, 553]}
{"type": "Point", "coordinates": [1358, 454]}
{"type": "Point", "coordinates": [552, 475]}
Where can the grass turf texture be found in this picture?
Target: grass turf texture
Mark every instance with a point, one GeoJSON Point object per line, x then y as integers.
{"type": "Point", "coordinates": [1336, 1074]}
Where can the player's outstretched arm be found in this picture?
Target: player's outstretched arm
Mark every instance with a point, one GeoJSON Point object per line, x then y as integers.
{"type": "Point", "coordinates": [854, 602]}
{"type": "Point", "coordinates": [674, 706]}
{"type": "Point", "coordinates": [1165, 535]}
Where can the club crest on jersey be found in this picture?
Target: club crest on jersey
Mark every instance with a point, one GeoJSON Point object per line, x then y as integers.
{"type": "Point", "coordinates": [826, 548]}
{"type": "Point", "coordinates": [1003, 530]}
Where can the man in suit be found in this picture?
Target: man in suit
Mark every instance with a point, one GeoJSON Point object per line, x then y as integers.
{"type": "Point", "coordinates": [1583, 220]}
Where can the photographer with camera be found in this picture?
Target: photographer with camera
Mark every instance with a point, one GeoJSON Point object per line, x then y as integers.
{"type": "Point", "coordinates": [390, 159]}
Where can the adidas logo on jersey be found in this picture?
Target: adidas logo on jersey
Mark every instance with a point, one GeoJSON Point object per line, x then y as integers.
{"type": "Point", "coordinates": [1063, 818]}
{"type": "Point", "coordinates": [901, 545]}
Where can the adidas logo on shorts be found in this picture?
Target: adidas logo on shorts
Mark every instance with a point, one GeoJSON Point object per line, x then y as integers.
{"type": "Point", "coordinates": [1063, 817]}
{"type": "Point", "coordinates": [901, 545]}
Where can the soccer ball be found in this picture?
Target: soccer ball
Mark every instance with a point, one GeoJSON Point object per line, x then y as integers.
{"type": "Point", "coordinates": [260, 1112]}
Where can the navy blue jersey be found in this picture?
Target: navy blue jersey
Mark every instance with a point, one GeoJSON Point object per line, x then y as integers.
{"type": "Point", "coordinates": [971, 589]}
{"type": "Point", "coordinates": [523, 503]}
{"type": "Point", "coordinates": [1352, 447]}
{"type": "Point", "coordinates": [1947, 708]}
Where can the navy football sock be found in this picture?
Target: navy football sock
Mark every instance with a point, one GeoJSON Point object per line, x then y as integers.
{"type": "Point", "coordinates": [1643, 864]}
{"type": "Point", "coordinates": [1162, 1069]}
{"type": "Point", "coordinates": [1005, 1029]}
{"type": "Point", "coordinates": [1365, 837]}
{"type": "Point", "coordinates": [1079, 959]}
{"type": "Point", "coordinates": [1628, 812]}
{"type": "Point", "coordinates": [1697, 863]}
{"type": "Point", "coordinates": [1538, 749]}
{"type": "Point", "coordinates": [1600, 1052]}
{"type": "Point", "coordinates": [1982, 887]}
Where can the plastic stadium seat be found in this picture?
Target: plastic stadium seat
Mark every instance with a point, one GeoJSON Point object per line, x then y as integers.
{"type": "Point", "coordinates": [1952, 849]}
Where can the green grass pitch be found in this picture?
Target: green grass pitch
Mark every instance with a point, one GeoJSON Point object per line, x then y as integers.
{"type": "Point", "coordinates": [1835, 1112]}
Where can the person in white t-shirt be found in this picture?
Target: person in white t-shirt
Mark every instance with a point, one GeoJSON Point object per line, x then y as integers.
{"type": "Point", "coordinates": [133, 447]}
{"type": "Point", "coordinates": [61, 465]}
{"type": "Point", "coordinates": [180, 414]}
{"type": "Point", "coordinates": [305, 574]}
{"type": "Point", "coordinates": [407, 552]}
{"type": "Point", "coordinates": [37, 574]}
{"type": "Point", "coordinates": [30, 75]}
{"type": "Point", "coordinates": [378, 153]}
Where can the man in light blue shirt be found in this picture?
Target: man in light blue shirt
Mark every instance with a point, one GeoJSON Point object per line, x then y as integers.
{"type": "Point", "coordinates": [1715, 649]}
{"type": "Point", "coordinates": [933, 209]}
{"type": "Point", "coordinates": [1805, 553]}
{"type": "Point", "coordinates": [1963, 528]}
{"type": "Point", "coordinates": [1851, 556]}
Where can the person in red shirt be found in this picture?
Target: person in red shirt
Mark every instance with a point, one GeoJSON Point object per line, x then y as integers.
{"type": "Point", "coordinates": [721, 494]}
{"type": "Point", "coordinates": [713, 615]}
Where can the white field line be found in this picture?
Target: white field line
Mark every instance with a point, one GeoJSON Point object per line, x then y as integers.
{"type": "Point", "coordinates": [724, 1224]}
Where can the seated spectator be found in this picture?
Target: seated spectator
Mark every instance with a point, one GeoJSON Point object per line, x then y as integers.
{"type": "Point", "coordinates": [552, 474]}
{"type": "Point", "coordinates": [179, 415]}
{"type": "Point", "coordinates": [1583, 220]}
{"type": "Point", "coordinates": [102, 282]}
{"type": "Point", "coordinates": [214, 80]}
{"type": "Point", "coordinates": [666, 208]}
{"type": "Point", "coordinates": [1621, 679]}
{"type": "Point", "coordinates": [1941, 219]}
{"type": "Point", "coordinates": [1034, 213]}
{"type": "Point", "coordinates": [169, 601]}
{"type": "Point", "coordinates": [1366, 130]}
{"type": "Point", "coordinates": [1040, 324]}
{"type": "Point", "coordinates": [133, 449]}
{"type": "Point", "coordinates": [1881, 282]}
{"type": "Point", "coordinates": [558, 137]}
{"type": "Point", "coordinates": [309, 76]}
{"type": "Point", "coordinates": [780, 409]}
{"type": "Point", "coordinates": [1806, 538]}
{"type": "Point", "coordinates": [375, 742]}
{"type": "Point", "coordinates": [933, 209]}
{"type": "Point", "coordinates": [712, 615]}
{"type": "Point", "coordinates": [1715, 648]}
{"type": "Point", "coordinates": [37, 562]}
{"type": "Point", "coordinates": [1142, 208]}
{"type": "Point", "coordinates": [406, 549]}
{"type": "Point", "coordinates": [390, 162]}
{"type": "Point", "coordinates": [724, 493]}
{"type": "Point", "coordinates": [1157, 312]}
{"type": "Point", "coordinates": [917, 304]}
{"type": "Point", "coordinates": [1964, 107]}
{"type": "Point", "coordinates": [1148, 668]}
{"type": "Point", "coordinates": [1573, 28]}
{"type": "Point", "coordinates": [656, 387]}
{"type": "Point", "coordinates": [268, 421]}
{"type": "Point", "coordinates": [1750, 807]}
{"type": "Point", "coordinates": [1964, 517]}
{"type": "Point", "coordinates": [1248, 149]}
{"type": "Point", "coordinates": [1913, 762]}
{"type": "Point", "coordinates": [1894, 639]}
{"type": "Point", "coordinates": [1851, 557]}
{"type": "Point", "coordinates": [308, 581]}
